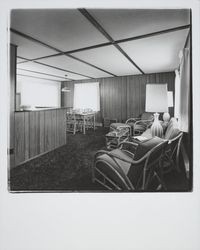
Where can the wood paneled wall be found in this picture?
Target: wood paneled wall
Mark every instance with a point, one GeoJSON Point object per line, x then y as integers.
{"type": "Point", "coordinates": [13, 56]}
{"type": "Point", "coordinates": [37, 132]}
{"type": "Point", "coordinates": [67, 97]}
{"type": "Point", "coordinates": [123, 97]}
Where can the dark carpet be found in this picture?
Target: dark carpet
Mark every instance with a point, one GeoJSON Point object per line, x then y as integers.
{"type": "Point", "coordinates": [68, 168]}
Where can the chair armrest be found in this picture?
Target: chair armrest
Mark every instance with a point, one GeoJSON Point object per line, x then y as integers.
{"type": "Point", "coordinates": [99, 152]}
{"type": "Point", "coordinates": [133, 144]}
{"type": "Point", "coordinates": [143, 121]}
{"type": "Point", "coordinates": [175, 138]}
{"type": "Point", "coordinates": [112, 155]}
{"type": "Point", "coordinates": [132, 120]}
{"type": "Point", "coordinates": [128, 147]}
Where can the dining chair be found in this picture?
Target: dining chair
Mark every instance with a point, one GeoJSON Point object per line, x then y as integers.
{"type": "Point", "coordinates": [89, 120]}
{"type": "Point", "coordinates": [72, 123]}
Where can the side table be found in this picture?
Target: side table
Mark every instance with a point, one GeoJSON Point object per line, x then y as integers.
{"type": "Point", "coordinates": [114, 138]}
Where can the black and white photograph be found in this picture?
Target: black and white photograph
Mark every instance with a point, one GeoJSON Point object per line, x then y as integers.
{"type": "Point", "coordinates": [99, 125]}
{"type": "Point", "coordinates": [100, 100]}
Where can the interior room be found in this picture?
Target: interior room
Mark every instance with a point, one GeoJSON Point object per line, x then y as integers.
{"type": "Point", "coordinates": [100, 100]}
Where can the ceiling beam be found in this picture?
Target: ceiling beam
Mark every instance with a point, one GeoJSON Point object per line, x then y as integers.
{"type": "Point", "coordinates": [30, 38]}
{"type": "Point", "coordinates": [54, 67]}
{"type": "Point", "coordinates": [41, 73]}
{"type": "Point", "coordinates": [93, 21]}
{"type": "Point", "coordinates": [71, 51]}
{"type": "Point", "coordinates": [115, 42]}
{"type": "Point", "coordinates": [41, 78]}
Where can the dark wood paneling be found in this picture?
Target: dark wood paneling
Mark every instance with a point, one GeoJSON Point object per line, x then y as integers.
{"type": "Point", "coordinates": [32, 134]}
{"type": "Point", "coordinates": [53, 128]}
{"type": "Point", "coordinates": [124, 97]}
{"type": "Point", "coordinates": [67, 98]}
{"type": "Point", "coordinates": [26, 135]}
{"type": "Point", "coordinates": [42, 132]}
{"type": "Point", "coordinates": [38, 132]}
{"type": "Point", "coordinates": [48, 131]}
{"type": "Point", "coordinates": [63, 126]}
{"type": "Point", "coordinates": [61, 132]}
{"type": "Point", "coordinates": [19, 138]}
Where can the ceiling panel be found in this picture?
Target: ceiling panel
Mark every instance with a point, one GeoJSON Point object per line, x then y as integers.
{"type": "Point", "coordinates": [74, 65]}
{"type": "Point", "coordinates": [65, 29]}
{"type": "Point", "coordinates": [68, 29]}
{"type": "Point", "coordinates": [158, 53]}
{"type": "Point", "coordinates": [123, 23]}
{"type": "Point", "coordinates": [110, 59]}
{"type": "Point", "coordinates": [29, 49]}
{"type": "Point", "coordinates": [40, 75]}
{"type": "Point", "coordinates": [48, 70]}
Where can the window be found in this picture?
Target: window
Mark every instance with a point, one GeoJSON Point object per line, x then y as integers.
{"type": "Point", "coordinates": [86, 95]}
{"type": "Point", "coordinates": [38, 93]}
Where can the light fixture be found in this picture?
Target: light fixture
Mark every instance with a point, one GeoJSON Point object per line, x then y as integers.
{"type": "Point", "coordinates": [166, 115]}
{"type": "Point", "coordinates": [156, 101]}
{"type": "Point", "coordinates": [65, 89]}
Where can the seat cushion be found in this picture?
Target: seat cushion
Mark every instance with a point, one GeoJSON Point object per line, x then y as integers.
{"type": "Point", "coordinates": [147, 134]}
{"type": "Point", "coordinates": [107, 165]}
{"type": "Point", "coordinates": [146, 146]}
{"type": "Point", "coordinates": [118, 153]}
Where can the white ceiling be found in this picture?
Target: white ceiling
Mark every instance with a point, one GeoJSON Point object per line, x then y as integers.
{"type": "Point", "coordinates": [109, 58]}
{"type": "Point", "coordinates": [159, 52]}
{"type": "Point", "coordinates": [129, 22]}
{"type": "Point", "coordinates": [73, 65]}
{"type": "Point", "coordinates": [64, 29]}
{"type": "Point", "coordinates": [68, 29]}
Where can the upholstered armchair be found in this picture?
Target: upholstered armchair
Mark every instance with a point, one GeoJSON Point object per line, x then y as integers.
{"type": "Point", "coordinates": [131, 167]}
{"type": "Point", "coordinates": [139, 125]}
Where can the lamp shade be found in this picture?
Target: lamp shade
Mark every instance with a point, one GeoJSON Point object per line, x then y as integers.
{"type": "Point", "coordinates": [156, 98]}
{"type": "Point", "coordinates": [170, 98]}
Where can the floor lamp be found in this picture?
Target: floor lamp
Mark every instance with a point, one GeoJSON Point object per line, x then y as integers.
{"type": "Point", "coordinates": [156, 102]}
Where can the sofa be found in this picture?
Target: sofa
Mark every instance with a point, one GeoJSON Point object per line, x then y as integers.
{"type": "Point", "coordinates": [170, 130]}
{"type": "Point", "coordinates": [174, 136]}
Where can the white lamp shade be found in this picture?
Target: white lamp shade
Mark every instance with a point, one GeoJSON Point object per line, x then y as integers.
{"type": "Point", "coordinates": [170, 99]}
{"type": "Point", "coordinates": [156, 98]}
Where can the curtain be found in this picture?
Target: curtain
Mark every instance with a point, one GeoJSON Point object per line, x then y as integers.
{"type": "Point", "coordinates": [177, 95]}
{"type": "Point", "coordinates": [184, 107]}
{"type": "Point", "coordinates": [86, 96]}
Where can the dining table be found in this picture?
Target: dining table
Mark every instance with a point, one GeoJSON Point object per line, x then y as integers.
{"type": "Point", "coordinates": [86, 116]}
